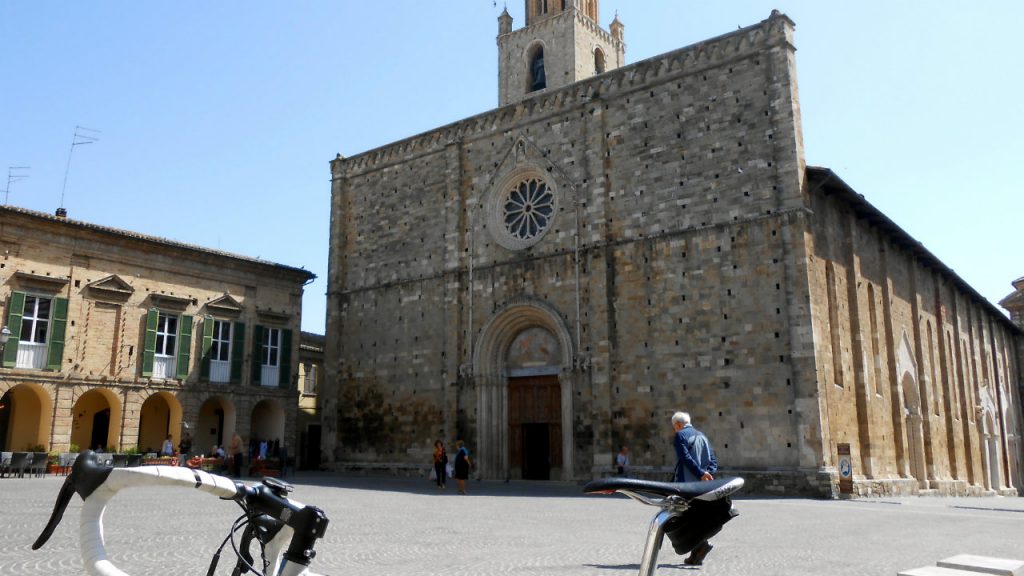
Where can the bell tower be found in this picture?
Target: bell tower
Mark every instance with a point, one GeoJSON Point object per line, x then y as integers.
{"type": "Point", "coordinates": [561, 43]}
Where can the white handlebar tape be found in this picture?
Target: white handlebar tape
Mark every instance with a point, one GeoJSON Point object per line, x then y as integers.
{"type": "Point", "coordinates": [94, 553]}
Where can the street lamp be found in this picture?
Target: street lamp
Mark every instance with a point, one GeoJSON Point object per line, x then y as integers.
{"type": "Point", "coordinates": [4, 335]}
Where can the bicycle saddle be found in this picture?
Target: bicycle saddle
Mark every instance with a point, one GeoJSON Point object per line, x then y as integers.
{"type": "Point", "coordinates": [709, 491]}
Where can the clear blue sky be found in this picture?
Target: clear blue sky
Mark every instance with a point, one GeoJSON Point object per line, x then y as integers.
{"type": "Point", "coordinates": [218, 119]}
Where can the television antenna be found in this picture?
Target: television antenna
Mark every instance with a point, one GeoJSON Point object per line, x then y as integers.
{"type": "Point", "coordinates": [82, 136]}
{"type": "Point", "coordinates": [14, 173]}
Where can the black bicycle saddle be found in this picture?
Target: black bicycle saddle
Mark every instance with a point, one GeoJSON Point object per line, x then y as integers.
{"type": "Point", "coordinates": [710, 490]}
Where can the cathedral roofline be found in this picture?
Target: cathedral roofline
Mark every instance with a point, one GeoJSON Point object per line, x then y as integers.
{"type": "Point", "coordinates": [825, 179]}
{"type": "Point", "coordinates": [680, 62]}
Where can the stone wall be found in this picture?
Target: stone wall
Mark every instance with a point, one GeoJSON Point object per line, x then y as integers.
{"type": "Point", "coordinates": [918, 371]}
{"type": "Point", "coordinates": [672, 261]}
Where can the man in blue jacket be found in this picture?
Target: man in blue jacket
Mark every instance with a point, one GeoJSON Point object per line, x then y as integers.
{"type": "Point", "coordinates": [695, 461]}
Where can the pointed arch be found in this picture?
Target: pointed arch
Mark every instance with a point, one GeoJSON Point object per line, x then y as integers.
{"type": "Point", "coordinates": [491, 374]}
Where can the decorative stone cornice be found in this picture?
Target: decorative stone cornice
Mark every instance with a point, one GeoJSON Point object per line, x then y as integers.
{"type": "Point", "coordinates": [224, 306]}
{"type": "Point", "coordinates": [775, 32]}
{"type": "Point", "coordinates": [170, 301]}
{"type": "Point", "coordinates": [111, 288]}
{"type": "Point", "coordinates": [41, 282]}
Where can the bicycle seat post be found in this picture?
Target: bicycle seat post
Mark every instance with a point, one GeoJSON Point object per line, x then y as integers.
{"type": "Point", "coordinates": [655, 535]}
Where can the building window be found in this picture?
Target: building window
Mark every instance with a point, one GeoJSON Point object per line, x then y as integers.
{"type": "Point", "coordinates": [522, 207]}
{"type": "Point", "coordinates": [598, 61]}
{"type": "Point", "coordinates": [528, 208]}
{"type": "Point", "coordinates": [538, 78]}
{"type": "Point", "coordinates": [270, 357]}
{"type": "Point", "coordinates": [35, 327]}
{"type": "Point", "coordinates": [309, 382]}
{"type": "Point", "coordinates": [220, 352]}
{"type": "Point", "coordinates": [166, 346]}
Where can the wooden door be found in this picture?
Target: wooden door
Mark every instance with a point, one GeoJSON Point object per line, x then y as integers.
{"type": "Point", "coordinates": [535, 426]}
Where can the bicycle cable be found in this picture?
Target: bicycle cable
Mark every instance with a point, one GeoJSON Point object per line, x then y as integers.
{"type": "Point", "coordinates": [238, 523]}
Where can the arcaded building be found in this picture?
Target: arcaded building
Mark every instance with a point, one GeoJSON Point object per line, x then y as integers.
{"type": "Point", "coordinates": [552, 279]}
{"type": "Point", "coordinates": [119, 339]}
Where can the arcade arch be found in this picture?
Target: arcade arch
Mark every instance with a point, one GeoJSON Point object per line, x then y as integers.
{"type": "Point", "coordinates": [26, 413]}
{"type": "Point", "coordinates": [160, 415]}
{"type": "Point", "coordinates": [268, 421]}
{"type": "Point", "coordinates": [96, 420]}
{"type": "Point", "coordinates": [215, 425]}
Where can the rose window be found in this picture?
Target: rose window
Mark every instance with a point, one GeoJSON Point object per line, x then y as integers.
{"type": "Point", "coordinates": [528, 209]}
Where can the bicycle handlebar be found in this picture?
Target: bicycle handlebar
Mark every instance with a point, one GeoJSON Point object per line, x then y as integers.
{"type": "Point", "coordinates": [97, 484]}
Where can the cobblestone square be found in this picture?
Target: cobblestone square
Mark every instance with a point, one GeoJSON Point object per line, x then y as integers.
{"type": "Point", "coordinates": [391, 526]}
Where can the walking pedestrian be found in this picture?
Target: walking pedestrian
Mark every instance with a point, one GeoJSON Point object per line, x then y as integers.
{"type": "Point", "coordinates": [440, 464]}
{"type": "Point", "coordinates": [462, 464]}
{"type": "Point", "coordinates": [235, 452]}
{"type": "Point", "coordinates": [695, 462]}
{"type": "Point", "coordinates": [622, 462]}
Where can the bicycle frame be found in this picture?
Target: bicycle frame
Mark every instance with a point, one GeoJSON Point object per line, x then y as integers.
{"type": "Point", "coordinates": [289, 551]}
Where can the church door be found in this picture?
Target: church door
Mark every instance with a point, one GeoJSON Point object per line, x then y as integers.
{"type": "Point", "coordinates": [535, 426]}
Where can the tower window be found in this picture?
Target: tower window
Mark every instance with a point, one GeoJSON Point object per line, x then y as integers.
{"type": "Point", "coordinates": [543, 6]}
{"type": "Point", "coordinates": [538, 80]}
{"type": "Point", "coordinates": [598, 61]}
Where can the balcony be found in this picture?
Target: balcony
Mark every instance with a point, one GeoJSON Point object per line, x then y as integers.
{"type": "Point", "coordinates": [31, 356]}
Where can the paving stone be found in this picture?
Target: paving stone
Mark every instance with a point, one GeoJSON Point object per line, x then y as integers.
{"type": "Point", "coordinates": [406, 527]}
{"type": "Point", "coordinates": [936, 571]}
{"type": "Point", "coordinates": [985, 565]}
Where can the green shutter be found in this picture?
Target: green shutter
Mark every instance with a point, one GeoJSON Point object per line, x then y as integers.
{"type": "Point", "coordinates": [257, 355]}
{"type": "Point", "coordinates": [184, 346]}
{"type": "Point", "coordinates": [14, 311]}
{"type": "Point", "coordinates": [204, 362]}
{"type": "Point", "coordinates": [58, 327]}
{"type": "Point", "coordinates": [149, 342]}
{"type": "Point", "coordinates": [285, 369]}
{"type": "Point", "coordinates": [237, 351]}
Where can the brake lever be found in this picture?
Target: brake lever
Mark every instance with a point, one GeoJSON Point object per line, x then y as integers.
{"type": "Point", "coordinates": [86, 476]}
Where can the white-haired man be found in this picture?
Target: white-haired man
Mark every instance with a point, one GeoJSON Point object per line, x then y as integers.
{"type": "Point", "coordinates": [695, 461]}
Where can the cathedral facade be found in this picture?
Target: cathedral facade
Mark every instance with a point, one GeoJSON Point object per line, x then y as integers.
{"type": "Point", "coordinates": [552, 279]}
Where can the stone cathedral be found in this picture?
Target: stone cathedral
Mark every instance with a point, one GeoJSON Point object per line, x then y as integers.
{"type": "Point", "coordinates": [552, 279]}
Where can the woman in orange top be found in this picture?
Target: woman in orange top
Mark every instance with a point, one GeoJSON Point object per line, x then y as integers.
{"type": "Point", "coordinates": [440, 464]}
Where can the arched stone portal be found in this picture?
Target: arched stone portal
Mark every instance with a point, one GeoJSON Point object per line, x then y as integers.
{"type": "Point", "coordinates": [268, 421]}
{"type": "Point", "coordinates": [160, 415]}
{"type": "Point", "coordinates": [26, 413]}
{"type": "Point", "coordinates": [96, 420]}
{"type": "Point", "coordinates": [215, 425]}
{"type": "Point", "coordinates": [523, 373]}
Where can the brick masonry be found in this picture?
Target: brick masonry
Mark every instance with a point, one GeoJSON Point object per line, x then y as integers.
{"type": "Point", "coordinates": [693, 262]}
{"type": "Point", "coordinates": [111, 278]}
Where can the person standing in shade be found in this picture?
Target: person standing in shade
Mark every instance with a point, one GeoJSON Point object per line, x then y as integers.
{"type": "Point", "coordinates": [695, 461]}
{"type": "Point", "coordinates": [168, 447]}
{"type": "Point", "coordinates": [185, 448]}
{"type": "Point", "coordinates": [622, 462]}
{"type": "Point", "coordinates": [235, 451]}
{"type": "Point", "coordinates": [440, 464]}
{"type": "Point", "coordinates": [462, 464]}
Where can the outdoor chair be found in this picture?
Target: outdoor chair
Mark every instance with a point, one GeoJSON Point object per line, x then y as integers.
{"type": "Point", "coordinates": [39, 462]}
{"type": "Point", "coordinates": [68, 460]}
{"type": "Point", "coordinates": [19, 463]}
{"type": "Point", "coordinates": [120, 460]}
